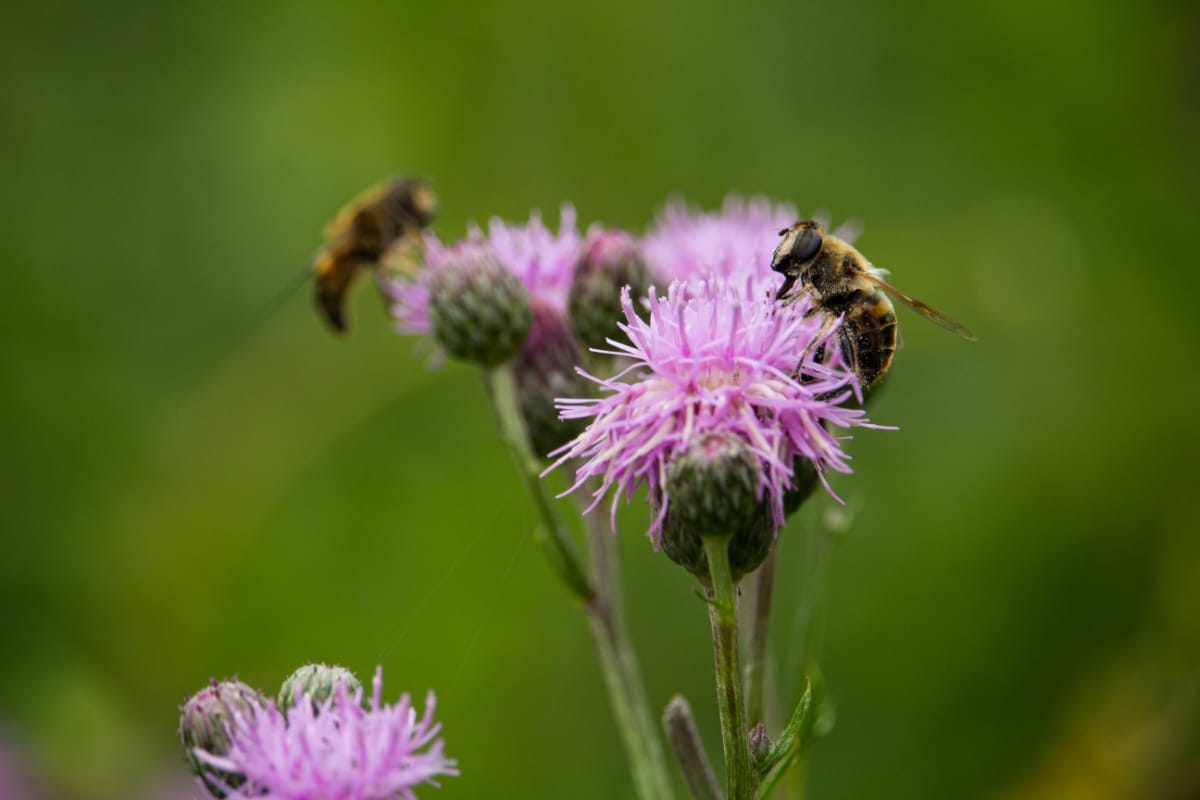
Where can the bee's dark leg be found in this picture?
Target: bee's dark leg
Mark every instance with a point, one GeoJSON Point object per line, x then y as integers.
{"type": "Point", "coordinates": [849, 354]}
{"type": "Point", "coordinates": [846, 342]}
{"type": "Point", "coordinates": [820, 353]}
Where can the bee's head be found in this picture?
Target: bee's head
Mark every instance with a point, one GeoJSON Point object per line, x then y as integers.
{"type": "Point", "coordinates": [413, 199]}
{"type": "Point", "coordinates": [800, 245]}
{"type": "Point", "coordinates": [423, 200]}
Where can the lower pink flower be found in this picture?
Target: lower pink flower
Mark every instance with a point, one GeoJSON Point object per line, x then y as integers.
{"type": "Point", "coordinates": [335, 750]}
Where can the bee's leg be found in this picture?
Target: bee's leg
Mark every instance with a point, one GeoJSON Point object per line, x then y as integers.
{"type": "Point", "coordinates": [820, 352]}
{"type": "Point", "coordinates": [824, 356]}
{"type": "Point", "coordinates": [846, 343]}
{"type": "Point", "coordinates": [827, 324]}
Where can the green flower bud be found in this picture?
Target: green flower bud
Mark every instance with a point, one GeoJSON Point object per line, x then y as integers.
{"type": "Point", "coordinates": [478, 310]}
{"type": "Point", "coordinates": [545, 369]}
{"type": "Point", "coordinates": [610, 261]}
{"type": "Point", "coordinates": [204, 721]}
{"type": "Point", "coordinates": [317, 682]}
{"type": "Point", "coordinates": [713, 489]}
{"type": "Point", "coordinates": [713, 484]}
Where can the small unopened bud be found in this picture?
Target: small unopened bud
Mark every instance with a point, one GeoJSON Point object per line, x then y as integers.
{"type": "Point", "coordinates": [479, 311]}
{"type": "Point", "coordinates": [713, 491]}
{"type": "Point", "coordinates": [317, 683]}
{"type": "Point", "coordinates": [545, 369]}
{"type": "Point", "coordinates": [203, 724]}
{"type": "Point", "coordinates": [760, 743]}
{"type": "Point", "coordinates": [610, 261]}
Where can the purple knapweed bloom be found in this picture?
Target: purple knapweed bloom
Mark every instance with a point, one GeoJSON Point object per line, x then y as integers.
{"type": "Point", "coordinates": [714, 357]}
{"type": "Point", "coordinates": [734, 243]}
{"type": "Point", "coordinates": [333, 750]}
{"type": "Point", "coordinates": [542, 260]}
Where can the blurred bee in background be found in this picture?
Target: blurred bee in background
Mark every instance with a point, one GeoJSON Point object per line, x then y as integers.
{"type": "Point", "coordinates": [843, 283]}
{"type": "Point", "coordinates": [380, 227]}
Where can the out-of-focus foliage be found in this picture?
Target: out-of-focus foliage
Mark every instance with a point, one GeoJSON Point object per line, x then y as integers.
{"type": "Point", "coordinates": [198, 481]}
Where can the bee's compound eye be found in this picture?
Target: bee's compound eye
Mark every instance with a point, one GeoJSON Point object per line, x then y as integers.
{"type": "Point", "coordinates": [808, 244]}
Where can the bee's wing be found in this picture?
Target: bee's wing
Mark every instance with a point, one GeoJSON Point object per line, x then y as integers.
{"type": "Point", "coordinates": [929, 313]}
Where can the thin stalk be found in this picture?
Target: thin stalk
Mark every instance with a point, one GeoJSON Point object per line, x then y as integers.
{"type": "Point", "coordinates": [599, 595]}
{"type": "Point", "coordinates": [808, 628]}
{"type": "Point", "coordinates": [558, 542]}
{"type": "Point", "coordinates": [805, 626]}
{"type": "Point", "coordinates": [740, 777]}
{"type": "Point", "coordinates": [830, 527]}
{"type": "Point", "coordinates": [606, 616]}
{"type": "Point", "coordinates": [689, 750]}
{"type": "Point", "coordinates": [760, 620]}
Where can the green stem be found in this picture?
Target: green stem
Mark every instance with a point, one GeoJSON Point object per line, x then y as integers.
{"type": "Point", "coordinates": [623, 675]}
{"type": "Point", "coordinates": [807, 627]}
{"type": "Point", "coordinates": [600, 596]}
{"type": "Point", "coordinates": [740, 778]}
{"type": "Point", "coordinates": [559, 545]}
{"type": "Point", "coordinates": [830, 527]}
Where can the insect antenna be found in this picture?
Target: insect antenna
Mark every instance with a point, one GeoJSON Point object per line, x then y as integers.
{"type": "Point", "coordinates": [303, 276]}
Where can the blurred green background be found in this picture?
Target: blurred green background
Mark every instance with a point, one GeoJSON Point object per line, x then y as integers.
{"type": "Point", "coordinates": [197, 481]}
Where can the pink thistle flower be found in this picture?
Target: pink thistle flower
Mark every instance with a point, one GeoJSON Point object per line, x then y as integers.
{"type": "Point", "coordinates": [736, 241]}
{"type": "Point", "coordinates": [733, 243]}
{"type": "Point", "coordinates": [542, 260]}
{"type": "Point", "coordinates": [334, 750]}
{"type": "Point", "coordinates": [714, 357]}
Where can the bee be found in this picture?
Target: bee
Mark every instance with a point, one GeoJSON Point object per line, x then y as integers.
{"type": "Point", "coordinates": [844, 284]}
{"type": "Point", "coordinates": [367, 233]}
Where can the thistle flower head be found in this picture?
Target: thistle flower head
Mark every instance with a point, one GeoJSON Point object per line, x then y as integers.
{"type": "Point", "coordinates": [335, 749]}
{"type": "Point", "coordinates": [541, 261]}
{"type": "Point", "coordinates": [736, 241]}
{"type": "Point", "coordinates": [714, 357]}
{"type": "Point", "coordinates": [609, 261]}
{"type": "Point", "coordinates": [478, 310]}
